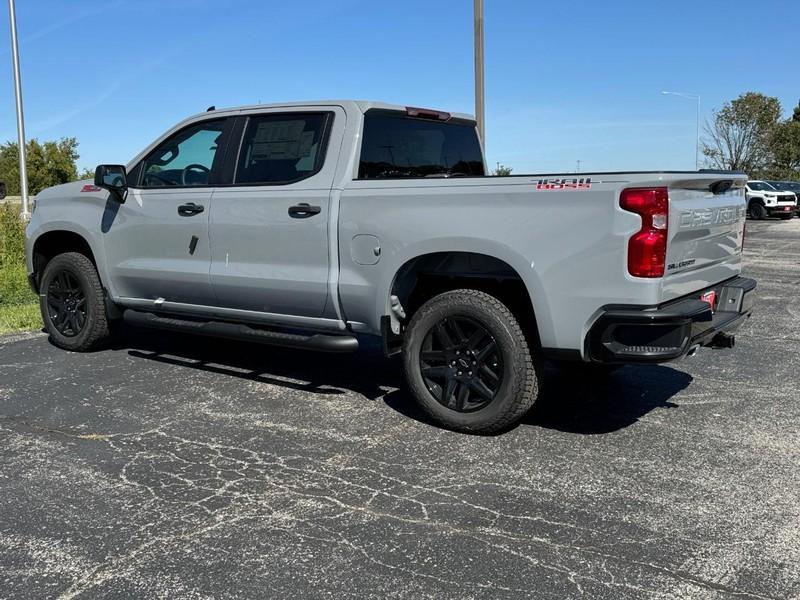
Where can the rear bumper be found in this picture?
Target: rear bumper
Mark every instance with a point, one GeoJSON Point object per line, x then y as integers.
{"type": "Point", "coordinates": [635, 334]}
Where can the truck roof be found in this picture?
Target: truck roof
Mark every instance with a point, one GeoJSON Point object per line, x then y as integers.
{"type": "Point", "coordinates": [361, 105]}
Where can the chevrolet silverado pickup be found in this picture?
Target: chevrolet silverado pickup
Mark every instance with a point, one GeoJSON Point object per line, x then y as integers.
{"type": "Point", "coordinates": [312, 225]}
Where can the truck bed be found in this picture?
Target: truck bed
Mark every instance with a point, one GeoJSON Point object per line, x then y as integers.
{"type": "Point", "coordinates": [564, 234]}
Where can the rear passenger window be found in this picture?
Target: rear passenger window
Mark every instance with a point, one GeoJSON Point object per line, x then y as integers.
{"type": "Point", "coordinates": [282, 148]}
{"type": "Point", "coordinates": [396, 145]}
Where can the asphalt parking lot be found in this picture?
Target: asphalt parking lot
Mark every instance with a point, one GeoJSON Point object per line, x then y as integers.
{"type": "Point", "coordinates": [175, 467]}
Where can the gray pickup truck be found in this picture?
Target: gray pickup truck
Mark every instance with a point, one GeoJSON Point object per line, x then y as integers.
{"type": "Point", "coordinates": [311, 225]}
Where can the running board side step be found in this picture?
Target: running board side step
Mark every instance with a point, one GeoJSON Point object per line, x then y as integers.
{"type": "Point", "coordinates": [237, 331]}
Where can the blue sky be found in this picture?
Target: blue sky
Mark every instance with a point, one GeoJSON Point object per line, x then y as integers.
{"type": "Point", "coordinates": [566, 81]}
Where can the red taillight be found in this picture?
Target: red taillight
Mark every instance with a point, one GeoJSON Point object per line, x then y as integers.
{"type": "Point", "coordinates": [647, 249]}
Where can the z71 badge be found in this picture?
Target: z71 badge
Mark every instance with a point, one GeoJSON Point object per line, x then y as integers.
{"type": "Point", "coordinates": [575, 183]}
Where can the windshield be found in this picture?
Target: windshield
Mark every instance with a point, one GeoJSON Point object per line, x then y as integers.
{"type": "Point", "coordinates": [395, 145]}
{"type": "Point", "coordinates": [785, 186]}
{"type": "Point", "coordinates": [760, 186]}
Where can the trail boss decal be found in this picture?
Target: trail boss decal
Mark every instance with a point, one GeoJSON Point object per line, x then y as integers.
{"type": "Point", "coordinates": [576, 183]}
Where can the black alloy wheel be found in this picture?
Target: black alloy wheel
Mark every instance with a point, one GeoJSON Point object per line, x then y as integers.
{"type": "Point", "coordinates": [66, 303]}
{"type": "Point", "coordinates": [461, 364]}
{"type": "Point", "coordinates": [73, 303]}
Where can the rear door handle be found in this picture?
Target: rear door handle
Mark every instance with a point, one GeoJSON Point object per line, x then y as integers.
{"type": "Point", "coordinates": [303, 210]}
{"type": "Point", "coordinates": [189, 209]}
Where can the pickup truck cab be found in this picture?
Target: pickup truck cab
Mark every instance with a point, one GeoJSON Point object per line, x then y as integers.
{"type": "Point", "coordinates": [764, 200]}
{"type": "Point", "coordinates": [313, 224]}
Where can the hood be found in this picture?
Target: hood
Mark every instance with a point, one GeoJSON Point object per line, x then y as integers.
{"type": "Point", "coordinates": [64, 190]}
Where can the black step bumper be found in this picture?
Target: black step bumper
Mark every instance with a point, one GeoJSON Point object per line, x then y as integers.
{"type": "Point", "coordinates": [635, 334]}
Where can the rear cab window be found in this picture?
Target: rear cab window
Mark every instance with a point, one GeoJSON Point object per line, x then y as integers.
{"type": "Point", "coordinates": [396, 145]}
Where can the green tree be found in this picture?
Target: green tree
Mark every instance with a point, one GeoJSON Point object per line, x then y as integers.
{"type": "Point", "coordinates": [87, 173]}
{"type": "Point", "coordinates": [502, 171]}
{"type": "Point", "coordinates": [49, 163]}
{"type": "Point", "coordinates": [741, 134]}
{"type": "Point", "coordinates": [785, 148]}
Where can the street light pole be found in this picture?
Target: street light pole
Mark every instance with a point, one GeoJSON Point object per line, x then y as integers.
{"type": "Point", "coordinates": [697, 125]}
{"type": "Point", "coordinates": [23, 171]}
{"type": "Point", "coordinates": [697, 137]}
{"type": "Point", "coordinates": [479, 82]}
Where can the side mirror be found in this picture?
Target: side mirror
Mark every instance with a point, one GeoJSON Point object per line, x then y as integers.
{"type": "Point", "coordinates": [112, 178]}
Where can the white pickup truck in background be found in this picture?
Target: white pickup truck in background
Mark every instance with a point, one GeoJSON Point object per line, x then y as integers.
{"type": "Point", "coordinates": [310, 224]}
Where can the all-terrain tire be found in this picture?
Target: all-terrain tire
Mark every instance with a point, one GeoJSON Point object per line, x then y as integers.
{"type": "Point", "coordinates": [519, 370]}
{"type": "Point", "coordinates": [757, 211]}
{"type": "Point", "coordinates": [91, 330]}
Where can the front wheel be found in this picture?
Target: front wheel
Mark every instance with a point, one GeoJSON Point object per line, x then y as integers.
{"type": "Point", "coordinates": [72, 303]}
{"type": "Point", "coordinates": [468, 363]}
{"type": "Point", "coordinates": [757, 211]}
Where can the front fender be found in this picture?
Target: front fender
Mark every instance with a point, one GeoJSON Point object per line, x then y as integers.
{"type": "Point", "coordinates": [80, 214]}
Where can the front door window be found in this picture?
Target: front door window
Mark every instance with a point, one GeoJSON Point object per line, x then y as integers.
{"type": "Point", "coordinates": [188, 158]}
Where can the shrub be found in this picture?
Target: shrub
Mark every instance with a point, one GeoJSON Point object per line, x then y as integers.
{"type": "Point", "coordinates": [12, 236]}
{"type": "Point", "coordinates": [17, 302]}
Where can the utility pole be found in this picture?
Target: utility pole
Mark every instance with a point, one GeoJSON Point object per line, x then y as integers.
{"type": "Point", "coordinates": [578, 166]}
{"type": "Point", "coordinates": [23, 171]}
{"type": "Point", "coordinates": [479, 82]}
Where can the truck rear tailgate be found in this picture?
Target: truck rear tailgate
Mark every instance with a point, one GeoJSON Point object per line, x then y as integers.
{"type": "Point", "coordinates": [706, 232]}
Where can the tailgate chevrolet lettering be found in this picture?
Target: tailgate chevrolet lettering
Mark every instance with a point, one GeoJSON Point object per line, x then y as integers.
{"type": "Point", "coordinates": [703, 217]}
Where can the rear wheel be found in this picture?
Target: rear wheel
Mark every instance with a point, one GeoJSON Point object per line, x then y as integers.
{"type": "Point", "coordinates": [468, 363]}
{"type": "Point", "coordinates": [72, 303]}
{"type": "Point", "coordinates": [787, 216]}
{"type": "Point", "coordinates": [757, 211]}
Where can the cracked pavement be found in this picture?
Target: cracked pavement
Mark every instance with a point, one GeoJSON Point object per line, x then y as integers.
{"type": "Point", "coordinates": [169, 466]}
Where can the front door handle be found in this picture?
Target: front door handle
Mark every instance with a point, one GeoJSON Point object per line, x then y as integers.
{"type": "Point", "coordinates": [189, 209]}
{"type": "Point", "coordinates": [303, 210]}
